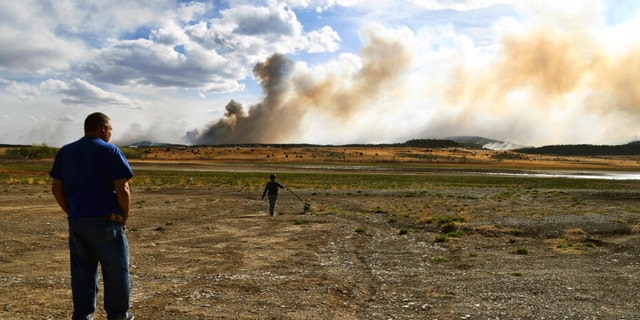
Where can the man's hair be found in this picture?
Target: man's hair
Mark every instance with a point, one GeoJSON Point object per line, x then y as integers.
{"type": "Point", "coordinates": [95, 121]}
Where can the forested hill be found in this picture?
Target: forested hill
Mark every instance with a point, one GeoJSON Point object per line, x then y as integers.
{"type": "Point", "coordinates": [435, 143]}
{"type": "Point", "coordinates": [632, 148]}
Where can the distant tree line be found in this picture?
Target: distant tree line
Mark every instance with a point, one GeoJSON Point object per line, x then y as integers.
{"type": "Point", "coordinates": [632, 148]}
{"type": "Point", "coordinates": [420, 143]}
{"type": "Point", "coordinates": [30, 152]}
{"type": "Point", "coordinates": [434, 143]}
{"type": "Point", "coordinates": [43, 151]}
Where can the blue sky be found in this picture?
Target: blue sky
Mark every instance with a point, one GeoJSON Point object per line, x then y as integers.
{"type": "Point", "coordinates": [327, 72]}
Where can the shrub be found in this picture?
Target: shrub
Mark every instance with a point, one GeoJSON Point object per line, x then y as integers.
{"type": "Point", "coordinates": [132, 153]}
{"type": "Point", "coordinates": [31, 152]}
{"type": "Point", "coordinates": [439, 259]}
{"type": "Point", "coordinates": [449, 227]}
{"type": "Point", "coordinates": [377, 209]}
{"type": "Point", "coordinates": [456, 234]}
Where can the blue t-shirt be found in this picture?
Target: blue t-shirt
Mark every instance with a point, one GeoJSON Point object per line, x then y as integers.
{"type": "Point", "coordinates": [87, 169]}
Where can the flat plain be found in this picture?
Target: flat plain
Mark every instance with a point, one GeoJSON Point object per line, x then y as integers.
{"type": "Point", "coordinates": [392, 233]}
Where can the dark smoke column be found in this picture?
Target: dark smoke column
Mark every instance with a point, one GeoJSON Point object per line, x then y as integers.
{"type": "Point", "coordinates": [265, 122]}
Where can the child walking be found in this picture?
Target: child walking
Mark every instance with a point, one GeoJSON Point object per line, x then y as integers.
{"type": "Point", "coordinates": [272, 190]}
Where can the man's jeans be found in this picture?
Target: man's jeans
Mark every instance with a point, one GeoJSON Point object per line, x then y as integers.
{"type": "Point", "coordinates": [93, 241]}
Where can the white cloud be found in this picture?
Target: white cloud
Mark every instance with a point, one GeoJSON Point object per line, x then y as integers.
{"type": "Point", "coordinates": [144, 62]}
{"type": "Point", "coordinates": [461, 5]}
{"type": "Point", "coordinates": [23, 91]}
{"type": "Point", "coordinates": [210, 55]}
{"type": "Point", "coordinates": [264, 21]}
{"type": "Point", "coordinates": [32, 118]}
{"type": "Point", "coordinates": [323, 40]}
{"type": "Point", "coordinates": [80, 92]}
{"type": "Point", "coordinates": [105, 19]}
{"type": "Point", "coordinates": [29, 43]}
{"type": "Point", "coordinates": [66, 118]}
{"type": "Point", "coordinates": [485, 67]}
{"type": "Point", "coordinates": [248, 34]}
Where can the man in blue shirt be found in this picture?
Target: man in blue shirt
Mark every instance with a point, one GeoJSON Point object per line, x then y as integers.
{"type": "Point", "coordinates": [90, 184]}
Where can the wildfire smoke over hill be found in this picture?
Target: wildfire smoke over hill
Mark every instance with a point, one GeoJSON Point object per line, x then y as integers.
{"type": "Point", "coordinates": [544, 83]}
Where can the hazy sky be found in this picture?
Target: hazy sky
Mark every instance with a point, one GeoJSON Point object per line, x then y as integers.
{"type": "Point", "coordinates": [325, 72]}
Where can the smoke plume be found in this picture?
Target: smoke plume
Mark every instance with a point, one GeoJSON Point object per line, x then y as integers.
{"type": "Point", "coordinates": [262, 122]}
{"type": "Point", "coordinates": [568, 82]}
{"type": "Point", "coordinates": [292, 92]}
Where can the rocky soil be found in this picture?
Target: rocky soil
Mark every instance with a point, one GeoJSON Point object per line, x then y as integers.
{"type": "Point", "coordinates": [216, 254]}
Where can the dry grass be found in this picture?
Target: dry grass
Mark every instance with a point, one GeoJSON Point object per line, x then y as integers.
{"type": "Point", "coordinates": [203, 245]}
{"type": "Point", "coordinates": [388, 155]}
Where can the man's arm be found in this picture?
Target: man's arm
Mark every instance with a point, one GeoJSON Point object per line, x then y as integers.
{"type": "Point", "coordinates": [57, 188]}
{"type": "Point", "coordinates": [124, 197]}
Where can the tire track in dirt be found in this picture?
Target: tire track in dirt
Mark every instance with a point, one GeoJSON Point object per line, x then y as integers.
{"type": "Point", "coordinates": [352, 274]}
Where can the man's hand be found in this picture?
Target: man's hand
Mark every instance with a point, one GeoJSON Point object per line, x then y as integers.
{"type": "Point", "coordinates": [124, 198]}
{"type": "Point", "coordinates": [114, 217]}
{"type": "Point", "coordinates": [57, 188]}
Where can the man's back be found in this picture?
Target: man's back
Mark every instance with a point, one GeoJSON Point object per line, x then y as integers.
{"type": "Point", "coordinates": [87, 168]}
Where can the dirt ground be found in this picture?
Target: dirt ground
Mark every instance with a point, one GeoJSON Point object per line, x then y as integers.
{"type": "Point", "coordinates": [206, 253]}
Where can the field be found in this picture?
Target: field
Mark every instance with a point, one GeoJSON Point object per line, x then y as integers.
{"type": "Point", "coordinates": [392, 233]}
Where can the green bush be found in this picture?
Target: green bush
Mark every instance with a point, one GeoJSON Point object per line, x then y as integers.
{"type": "Point", "coordinates": [132, 153]}
{"type": "Point", "coordinates": [456, 234]}
{"type": "Point", "coordinates": [31, 152]}
{"type": "Point", "coordinates": [522, 251]}
{"type": "Point", "coordinates": [441, 238]}
{"type": "Point", "coordinates": [439, 259]}
{"type": "Point", "coordinates": [449, 227]}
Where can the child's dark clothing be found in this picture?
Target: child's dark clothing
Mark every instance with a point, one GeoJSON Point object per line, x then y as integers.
{"type": "Point", "coordinates": [272, 190]}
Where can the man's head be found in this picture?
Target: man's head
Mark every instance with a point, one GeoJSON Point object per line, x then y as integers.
{"type": "Point", "coordinates": [272, 177]}
{"type": "Point", "coordinates": [98, 125]}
